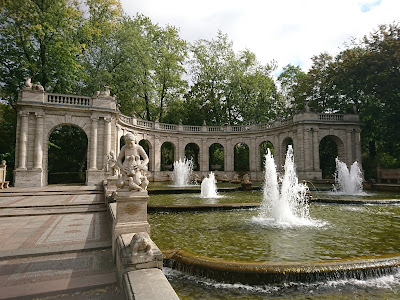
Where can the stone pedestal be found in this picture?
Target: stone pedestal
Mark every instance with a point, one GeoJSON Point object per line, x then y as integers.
{"type": "Point", "coordinates": [29, 178]}
{"type": "Point", "coordinates": [95, 177]}
{"type": "Point", "coordinates": [131, 214]}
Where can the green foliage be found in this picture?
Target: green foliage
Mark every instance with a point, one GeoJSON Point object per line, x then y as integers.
{"type": "Point", "coordinates": [8, 123]}
{"type": "Point", "coordinates": [167, 156]}
{"type": "Point", "coordinates": [216, 156]}
{"type": "Point", "coordinates": [328, 151]}
{"type": "Point", "coordinates": [229, 88]}
{"type": "Point", "coordinates": [241, 157]}
{"type": "Point", "coordinates": [192, 151]}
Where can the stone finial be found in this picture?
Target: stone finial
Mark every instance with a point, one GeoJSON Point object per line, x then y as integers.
{"type": "Point", "coordinates": [306, 107]}
{"type": "Point", "coordinates": [31, 86]}
{"type": "Point", "coordinates": [28, 82]}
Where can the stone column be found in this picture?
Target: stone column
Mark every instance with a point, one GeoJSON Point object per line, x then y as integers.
{"type": "Point", "coordinates": [307, 150]}
{"type": "Point", "coordinates": [349, 147]}
{"type": "Point", "coordinates": [181, 149]}
{"type": "Point", "coordinates": [107, 138]}
{"type": "Point", "coordinates": [93, 144]}
{"type": "Point", "coordinates": [205, 156]}
{"type": "Point", "coordinates": [315, 146]}
{"type": "Point", "coordinates": [157, 154]}
{"type": "Point", "coordinates": [277, 150]}
{"type": "Point", "coordinates": [23, 139]}
{"type": "Point", "coordinates": [37, 164]}
{"type": "Point", "coordinates": [229, 159]}
{"type": "Point", "coordinates": [357, 143]}
{"type": "Point", "coordinates": [253, 155]}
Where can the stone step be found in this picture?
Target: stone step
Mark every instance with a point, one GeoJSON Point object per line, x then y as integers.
{"type": "Point", "coordinates": [50, 210]}
{"type": "Point", "coordinates": [59, 274]}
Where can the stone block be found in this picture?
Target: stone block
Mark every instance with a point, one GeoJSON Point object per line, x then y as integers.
{"type": "Point", "coordinates": [148, 284]}
{"type": "Point", "coordinates": [29, 178]}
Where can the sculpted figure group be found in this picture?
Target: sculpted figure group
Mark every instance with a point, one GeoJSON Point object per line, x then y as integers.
{"type": "Point", "coordinates": [132, 161]}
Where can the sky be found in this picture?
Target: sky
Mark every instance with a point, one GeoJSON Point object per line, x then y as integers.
{"type": "Point", "coordinates": [287, 31]}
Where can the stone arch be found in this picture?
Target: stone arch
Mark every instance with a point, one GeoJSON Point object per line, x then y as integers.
{"type": "Point", "coordinates": [285, 144]}
{"type": "Point", "coordinates": [148, 148]}
{"type": "Point", "coordinates": [263, 151]}
{"type": "Point", "coordinates": [216, 158]}
{"type": "Point", "coordinates": [192, 151]}
{"type": "Point", "coordinates": [330, 147]}
{"type": "Point", "coordinates": [62, 166]}
{"type": "Point", "coordinates": [241, 157]}
{"type": "Point", "coordinates": [167, 153]}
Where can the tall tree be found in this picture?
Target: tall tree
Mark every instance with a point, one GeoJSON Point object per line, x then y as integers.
{"type": "Point", "coordinates": [46, 40]}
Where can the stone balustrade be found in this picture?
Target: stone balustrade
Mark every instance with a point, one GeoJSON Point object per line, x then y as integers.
{"type": "Point", "coordinates": [69, 100]}
{"type": "Point", "coordinates": [318, 117]}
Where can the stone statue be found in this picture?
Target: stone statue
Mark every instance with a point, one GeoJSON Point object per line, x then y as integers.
{"type": "Point", "coordinates": [246, 178]}
{"type": "Point", "coordinates": [31, 86]}
{"type": "Point", "coordinates": [111, 164]}
{"type": "Point", "coordinates": [133, 169]}
{"type": "Point", "coordinates": [141, 244]}
{"type": "Point", "coordinates": [3, 172]}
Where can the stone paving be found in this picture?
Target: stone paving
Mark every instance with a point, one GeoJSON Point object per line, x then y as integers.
{"type": "Point", "coordinates": [55, 240]}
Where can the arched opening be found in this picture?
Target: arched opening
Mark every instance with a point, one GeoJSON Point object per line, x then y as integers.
{"type": "Point", "coordinates": [67, 155]}
{"type": "Point", "coordinates": [216, 158]}
{"type": "Point", "coordinates": [192, 151]}
{"type": "Point", "coordinates": [264, 146]}
{"type": "Point", "coordinates": [241, 157]}
{"type": "Point", "coordinates": [167, 156]}
{"type": "Point", "coordinates": [285, 144]}
{"type": "Point", "coordinates": [329, 149]}
{"type": "Point", "coordinates": [146, 146]}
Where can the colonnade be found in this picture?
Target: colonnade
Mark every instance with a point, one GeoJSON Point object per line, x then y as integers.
{"type": "Point", "coordinates": [39, 113]}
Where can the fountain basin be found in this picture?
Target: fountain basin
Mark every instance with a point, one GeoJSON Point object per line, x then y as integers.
{"type": "Point", "coordinates": [338, 232]}
{"type": "Point", "coordinates": [257, 273]}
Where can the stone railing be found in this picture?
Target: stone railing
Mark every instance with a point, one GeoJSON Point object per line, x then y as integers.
{"type": "Point", "coordinates": [330, 117]}
{"type": "Point", "coordinates": [69, 100]}
{"type": "Point", "coordinates": [313, 117]}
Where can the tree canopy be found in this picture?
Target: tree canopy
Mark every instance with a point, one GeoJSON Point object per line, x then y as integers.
{"type": "Point", "coordinates": [78, 46]}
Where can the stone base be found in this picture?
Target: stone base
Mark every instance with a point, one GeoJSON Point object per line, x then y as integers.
{"type": "Point", "coordinates": [95, 177]}
{"type": "Point", "coordinates": [309, 175]}
{"type": "Point", "coordinates": [130, 215]}
{"type": "Point", "coordinates": [29, 178]}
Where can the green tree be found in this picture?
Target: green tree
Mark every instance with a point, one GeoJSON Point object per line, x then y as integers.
{"type": "Point", "coordinates": [289, 80]}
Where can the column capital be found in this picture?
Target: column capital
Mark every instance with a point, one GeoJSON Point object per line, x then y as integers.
{"type": "Point", "coordinates": [23, 113]}
{"type": "Point", "coordinates": [94, 118]}
{"type": "Point", "coordinates": [107, 119]}
{"type": "Point", "coordinates": [39, 114]}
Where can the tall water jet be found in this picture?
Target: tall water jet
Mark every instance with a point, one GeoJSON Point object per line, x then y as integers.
{"type": "Point", "coordinates": [182, 172]}
{"type": "Point", "coordinates": [289, 206]}
{"type": "Point", "coordinates": [348, 182]}
{"type": "Point", "coordinates": [209, 187]}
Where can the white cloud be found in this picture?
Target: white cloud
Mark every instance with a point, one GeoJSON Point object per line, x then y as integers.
{"type": "Point", "coordinates": [288, 31]}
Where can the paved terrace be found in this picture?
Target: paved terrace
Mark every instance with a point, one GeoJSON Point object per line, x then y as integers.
{"type": "Point", "coordinates": [56, 242]}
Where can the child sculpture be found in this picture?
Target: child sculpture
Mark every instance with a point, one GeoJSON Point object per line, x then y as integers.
{"type": "Point", "coordinates": [133, 169]}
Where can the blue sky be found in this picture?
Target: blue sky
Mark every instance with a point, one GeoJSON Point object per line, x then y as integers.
{"type": "Point", "coordinates": [287, 31]}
